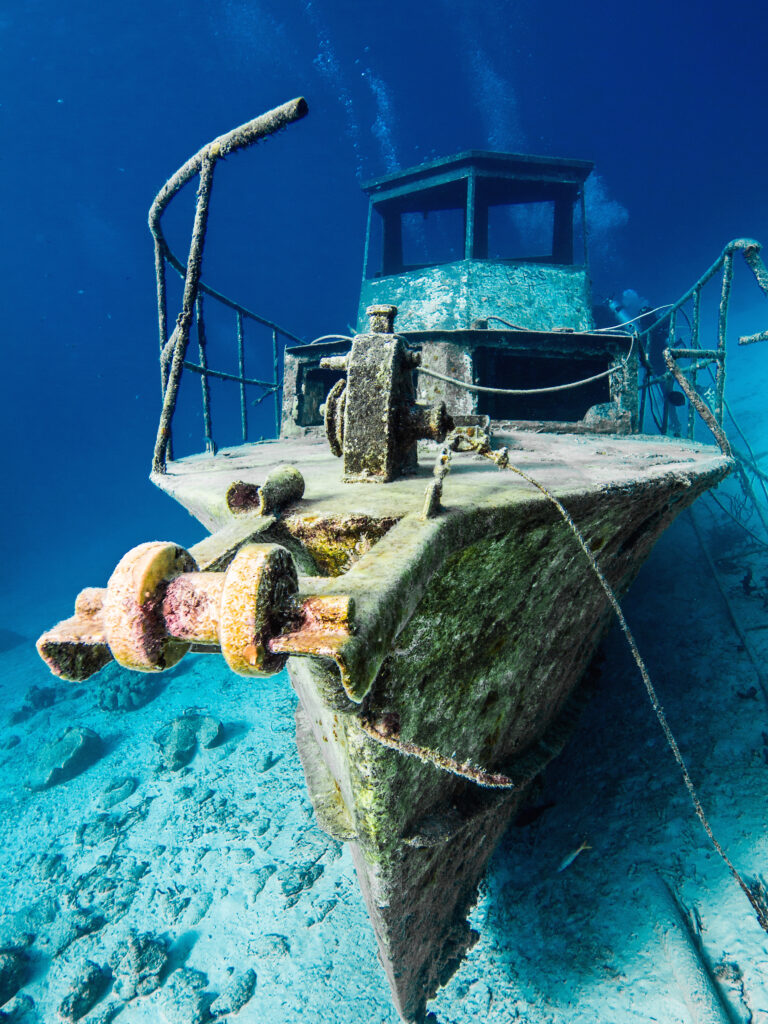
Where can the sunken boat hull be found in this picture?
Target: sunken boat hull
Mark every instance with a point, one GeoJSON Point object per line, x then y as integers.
{"type": "Point", "coordinates": [479, 625]}
{"type": "Point", "coordinates": [436, 628]}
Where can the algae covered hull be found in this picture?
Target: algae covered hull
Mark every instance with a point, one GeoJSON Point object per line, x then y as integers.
{"type": "Point", "coordinates": [470, 634]}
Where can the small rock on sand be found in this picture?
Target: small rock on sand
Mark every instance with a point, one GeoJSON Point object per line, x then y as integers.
{"type": "Point", "coordinates": [37, 698]}
{"type": "Point", "coordinates": [86, 988]}
{"type": "Point", "coordinates": [179, 739]}
{"type": "Point", "coordinates": [184, 999]}
{"type": "Point", "coordinates": [18, 1010]}
{"type": "Point", "coordinates": [13, 973]}
{"type": "Point", "coordinates": [119, 789]}
{"type": "Point", "coordinates": [75, 750]}
{"type": "Point", "coordinates": [122, 690]}
{"type": "Point", "coordinates": [236, 994]}
{"type": "Point", "coordinates": [138, 965]}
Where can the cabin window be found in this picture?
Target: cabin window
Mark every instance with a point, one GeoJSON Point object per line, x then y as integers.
{"type": "Point", "coordinates": [313, 391]}
{"type": "Point", "coordinates": [374, 245]}
{"type": "Point", "coordinates": [492, 365]}
{"type": "Point", "coordinates": [432, 237]}
{"type": "Point", "coordinates": [521, 232]}
{"type": "Point", "coordinates": [424, 228]}
{"type": "Point", "coordinates": [529, 221]}
{"type": "Point", "coordinates": [476, 216]}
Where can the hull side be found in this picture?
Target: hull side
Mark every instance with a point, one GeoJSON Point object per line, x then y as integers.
{"type": "Point", "coordinates": [484, 671]}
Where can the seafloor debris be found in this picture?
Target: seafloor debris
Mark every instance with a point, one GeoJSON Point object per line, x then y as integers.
{"type": "Point", "coordinates": [86, 989]}
{"type": "Point", "coordinates": [106, 1014]}
{"type": "Point", "coordinates": [13, 973]}
{"type": "Point", "coordinates": [236, 994]}
{"type": "Point", "coordinates": [265, 761]}
{"type": "Point", "coordinates": [121, 690]}
{"type": "Point", "coordinates": [47, 867]}
{"type": "Point", "coordinates": [18, 1010]}
{"type": "Point", "coordinates": [75, 750]}
{"type": "Point", "coordinates": [254, 884]}
{"type": "Point", "coordinates": [138, 965]}
{"type": "Point", "coordinates": [298, 878]}
{"type": "Point", "coordinates": [179, 739]}
{"type": "Point", "coordinates": [119, 789]}
{"type": "Point", "coordinates": [273, 946]}
{"type": "Point", "coordinates": [110, 886]}
{"type": "Point", "coordinates": [184, 999]}
{"type": "Point", "coordinates": [36, 698]}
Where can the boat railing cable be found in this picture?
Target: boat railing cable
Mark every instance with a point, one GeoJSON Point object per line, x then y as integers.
{"type": "Point", "coordinates": [173, 348]}
{"type": "Point", "coordinates": [629, 323]}
{"type": "Point", "coordinates": [666, 325]}
{"type": "Point", "coordinates": [593, 330]}
{"type": "Point", "coordinates": [700, 360]}
{"type": "Point", "coordinates": [331, 337]}
{"type": "Point", "coordinates": [619, 368]}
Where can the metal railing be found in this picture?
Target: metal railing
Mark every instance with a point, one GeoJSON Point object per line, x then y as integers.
{"type": "Point", "coordinates": [173, 348]}
{"type": "Point", "coordinates": [710, 403]}
{"type": "Point", "coordinates": [698, 358]}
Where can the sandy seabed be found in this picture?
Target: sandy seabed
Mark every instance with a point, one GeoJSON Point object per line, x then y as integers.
{"type": "Point", "coordinates": [222, 862]}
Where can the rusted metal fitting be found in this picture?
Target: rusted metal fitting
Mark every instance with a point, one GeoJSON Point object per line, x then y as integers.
{"type": "Point", "coordinates": [284, 485]}
{"type": "Point", "coordinates": [157, 605]}
{"type": "Point", "coordinates": [372, 418]}
{"type": "Point", "coordinates": [429, 422]}
{"type": "Point", "coordinates": [132, 612]}
{"type": "Point", "coordinates": [333, 413]}
{"type": "Point", "coordinates": [382, 318]}
{"type": "Point", "coordinates": [334, 363]}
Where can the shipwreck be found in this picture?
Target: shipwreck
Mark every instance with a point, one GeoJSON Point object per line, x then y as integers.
{"type": "Point", "coordinates": [430, 543]}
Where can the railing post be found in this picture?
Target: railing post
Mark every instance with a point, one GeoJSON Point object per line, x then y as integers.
{"type": "Point", "coordinates": [162, 323]}
{"type": "Point", "coordinates": [202, 341]}
{"type": "Point", "coordinates": [694, 344]}
{"type": "Point", "coordinates": [173, 349]}
{"type": "Point", "coordinates": [184, 322]}
{"type": "Point", "coordinates": [241, 370]}
{"type": "Point", "coordinates": [722, 327]}
{"type": "Point", "coordinates": [276, 362]}
{"type": "Point", "coordinates": [667, 388]}
{"type": "Point", "coordinates": [162, 303]}
{"type": "Point", "coordinates": [643, 398]}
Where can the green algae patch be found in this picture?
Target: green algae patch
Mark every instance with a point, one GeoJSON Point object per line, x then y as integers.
{"type": "Point", "coordinates": [335, 543]}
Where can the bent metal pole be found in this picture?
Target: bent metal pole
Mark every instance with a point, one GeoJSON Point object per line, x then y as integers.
{"type": "Point", "coordinates": [202, 163]}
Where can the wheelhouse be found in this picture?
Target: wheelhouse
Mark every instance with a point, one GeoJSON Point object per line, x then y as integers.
{"type": "Point", "coordinates": [485, 257]}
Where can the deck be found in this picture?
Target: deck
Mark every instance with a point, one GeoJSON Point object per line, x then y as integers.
{"type": "Point", "coordinates": [563, 463]}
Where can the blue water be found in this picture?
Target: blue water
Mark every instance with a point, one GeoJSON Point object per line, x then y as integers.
{"type": "Point", "coordinates": [99, 103]}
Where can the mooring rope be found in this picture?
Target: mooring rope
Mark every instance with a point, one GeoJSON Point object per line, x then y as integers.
{"type": "Point", "coordinates": [756, 892]}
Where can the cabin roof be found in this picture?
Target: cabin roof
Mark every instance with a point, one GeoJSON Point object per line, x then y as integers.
{"type": "Point", "coordinates": [515, 166]}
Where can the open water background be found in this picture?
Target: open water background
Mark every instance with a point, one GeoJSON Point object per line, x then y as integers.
{"type": "Point", "coordinates": [100, 103]}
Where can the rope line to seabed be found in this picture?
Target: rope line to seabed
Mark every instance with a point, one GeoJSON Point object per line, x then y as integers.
{"type": "Point", "coordinates": [755, 891]}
